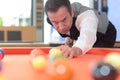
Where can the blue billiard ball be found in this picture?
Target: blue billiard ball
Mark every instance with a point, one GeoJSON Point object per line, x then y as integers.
{"type": "Point", "coordinates": [2, 53]}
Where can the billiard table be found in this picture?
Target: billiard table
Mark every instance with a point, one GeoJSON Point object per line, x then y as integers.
{"type": "Point", "coordinates": [16, 64]}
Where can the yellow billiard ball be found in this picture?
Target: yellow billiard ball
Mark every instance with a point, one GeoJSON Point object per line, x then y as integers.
{"type": "Point", "coordinates": [113, 58]}
{"type": "Point", "coordinates": [54, 54]}
{"type": "Point", "coordinates": [39, 62]}
{"type": "Point", "coordinates": [1, 77]}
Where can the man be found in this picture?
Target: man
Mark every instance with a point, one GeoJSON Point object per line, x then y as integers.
{"type": "Point", "coordinates": [86, 26]}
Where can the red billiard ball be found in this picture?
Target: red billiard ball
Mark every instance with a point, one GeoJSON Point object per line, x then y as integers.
{"type": "Point", "coordinates": [37, 52]}
{"type": "Point", "coordinates": [2, 53]}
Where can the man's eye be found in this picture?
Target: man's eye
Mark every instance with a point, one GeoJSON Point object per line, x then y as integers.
{"type": "Point", "coordinates": [64, 19]}
{"type": "Point", "coordinates": [55, 22]}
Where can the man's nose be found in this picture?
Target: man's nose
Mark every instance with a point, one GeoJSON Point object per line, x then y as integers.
{"type": "Point", "coordinates": [61, 25]}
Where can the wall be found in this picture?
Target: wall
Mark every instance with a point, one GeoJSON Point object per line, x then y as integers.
{"type": "Point", "coordinates": [114, 14]}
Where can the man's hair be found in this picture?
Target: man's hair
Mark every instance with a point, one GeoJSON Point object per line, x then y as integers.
{"type": "Point", "coordinates": [54, 5]}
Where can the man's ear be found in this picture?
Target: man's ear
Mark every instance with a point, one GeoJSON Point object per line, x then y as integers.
{"type": "Point", "coordinates": [48, 20]}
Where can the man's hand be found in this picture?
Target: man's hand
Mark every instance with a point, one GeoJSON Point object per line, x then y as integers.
{"type": "Point", "coordinates": [70, 52]}
{"type": "Point", "coordinates": [69, 42]}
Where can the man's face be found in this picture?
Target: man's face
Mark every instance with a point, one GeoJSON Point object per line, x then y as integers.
{"type": "Point", "coordinates": [61, 20]}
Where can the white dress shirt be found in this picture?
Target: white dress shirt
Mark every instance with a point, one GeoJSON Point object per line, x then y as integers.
{"type": "Point", "coordinates": [86, 23]}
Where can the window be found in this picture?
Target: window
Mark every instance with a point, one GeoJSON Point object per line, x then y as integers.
{"type": "Point", "coordinates": [15, 12]}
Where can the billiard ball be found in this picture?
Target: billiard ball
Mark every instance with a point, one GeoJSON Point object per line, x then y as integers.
{"type": "Point", "coordinates": [59, 70]}
{"type": "Point", "coordinates": [54, 54]}
{"type": "Point", "coordinates": [36, 52]}
{"type": "Point", "coordinates": [2, 53]}
{"type": "Point", "coordinates": [104, 71]}
{"type": "Point", "coordinates": [39, 63]}
{"type": "Point", "coordinates": [113, 58]}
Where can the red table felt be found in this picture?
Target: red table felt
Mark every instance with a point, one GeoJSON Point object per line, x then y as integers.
{"type": "Point", "coordinates": [16, 64]}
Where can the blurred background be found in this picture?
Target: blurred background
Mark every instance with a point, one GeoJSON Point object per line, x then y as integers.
{"type": "Point", "coordinates": [20, 20]}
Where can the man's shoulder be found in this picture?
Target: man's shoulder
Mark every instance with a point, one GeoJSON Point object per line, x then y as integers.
{"type": "Point", "coordinates": [76, 4]}
{"type": "Point", "coordinates": [79, 8]}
